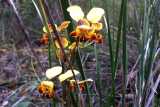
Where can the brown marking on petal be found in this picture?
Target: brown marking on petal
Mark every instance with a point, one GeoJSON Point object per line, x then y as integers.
{"type": "Point", "coordinates": [82, 87]}
{"type": "Point", "coordinates": [99, 38]}
{"type": "Point", "coordinates": [93, 37]}
{"type": "Point", "coordinates": [73, 33]}
{"type": "Point", "coordinates": [72, 86]}
{"type": "Point", "coordinates": [97, 26]}
{"type": "Point", "coordinates": [45, 90]}
{"type": "Point", "coordinates": [44, 40]}
{"type": "Point", "coordinates": [83, 22]}
{"type": "Point", "coordinates": [50, 28]}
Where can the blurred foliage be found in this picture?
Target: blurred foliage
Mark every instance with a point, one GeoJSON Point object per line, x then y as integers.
{"type": "Point", "coordinates": [27, 10]}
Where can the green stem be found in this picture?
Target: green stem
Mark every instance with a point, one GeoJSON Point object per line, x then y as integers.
{"type": "Point", "coordinates": [125, 66]}
{"type": "Point", "coordinates": [106, 21]}
{"type": "Point", "coordinates": [98, 77]}
{"type": "Point", "coordinates": [50, 35]}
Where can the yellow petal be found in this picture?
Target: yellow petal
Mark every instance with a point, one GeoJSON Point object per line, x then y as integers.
{"type": "Point", "coordinates": [63, 25]}
{"type": "Point", "coordinates": [75, 12]}
{"type": "Point", "coordinates": [81, 45]}
{"type": "Point", "coordinates": [97, 26]}
{"type": "Point", "coordinates": [67, 75]}
{"type": "Point", "coordinates": [64, 42]}
{"type": "Point", "coordinates": [53, 72]}
{"type": "Point", "coordinates": [49, 27]}
{"type": "Point", "coordinates": [48, 83]}
{"type": "Point", "coordinates": [95, 15]}
{"type": "Point", "coordinates": [73, 81]}
{"type": "Point", "coordinates": [44, 29]}
{"type": "Point", "coordinates": [84, 27]}
{"type": "Point", "coordinates": [72, 46]}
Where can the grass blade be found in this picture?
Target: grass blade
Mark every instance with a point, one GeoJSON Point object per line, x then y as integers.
{"type": "Point", "coordinates": [107, 26]}
{"type": "Point", "coordinates": [124, 60]}
{"type": "Point", "coordinates": [26, 33]}
{"type": "Point", "coordinates": [98, 77]}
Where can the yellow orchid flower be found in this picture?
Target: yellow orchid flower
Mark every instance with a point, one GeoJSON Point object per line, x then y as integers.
{"type": "Point", "coordinates": [46, 88]}
{"type": "Point", "coordinates": [44, 39]}
{"type": "Point", "coordinates": [87, 28]}
{"type": "Point", "coordinates": [59, 28]}
{"type": "Point", "coordinates": [86, 35]}
{"type": "Point", "coordinates": [63, 26]}
{"type": "Point", "coordinates": [72, 84]}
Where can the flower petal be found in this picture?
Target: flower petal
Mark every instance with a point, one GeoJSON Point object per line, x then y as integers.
{"type": "Point", "coordinates": [84, 27]}
{"type": "Point", "coordinates": [97, 26]}
{"type": "Point", "coordinates": [63, 25]}
{"type": "Point", "coordinates": [53, 72]}
{"type": "Point", "coordinates": [95, 14]}
{"type": "Point", "coordinates": [50, 28]}
{"type": "Point", "coordinates": [83, 21]}
{"type": "Point", "coordinates": [80, 82]}
{"type": "Point", "coordinates": [87, 80]}
{"type": "Point", "coordinates": [48, 83]}
{"type": "Point", "coordinates": [99, 38]}
{"type": "Point", "coordinates": [46, 88]}
{"type": "Point", "coordinates": [64, 42]}
{"type": "Point", "coordinates": [76, 33]}
{"type": "Point", "coordinates": [75, 12]}
{"type": "Point", "coordinates": [67, 75]}
{"type": "Point", "coordinates": [44, 39]}
{"type": "Point", "coordinates": [72, 46]}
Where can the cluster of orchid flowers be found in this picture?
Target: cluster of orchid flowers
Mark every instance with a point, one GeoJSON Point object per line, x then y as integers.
{"type": "Point", "coordinates": [47, 88]}
{"type": "Point", "coordinates": [87, 30]}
